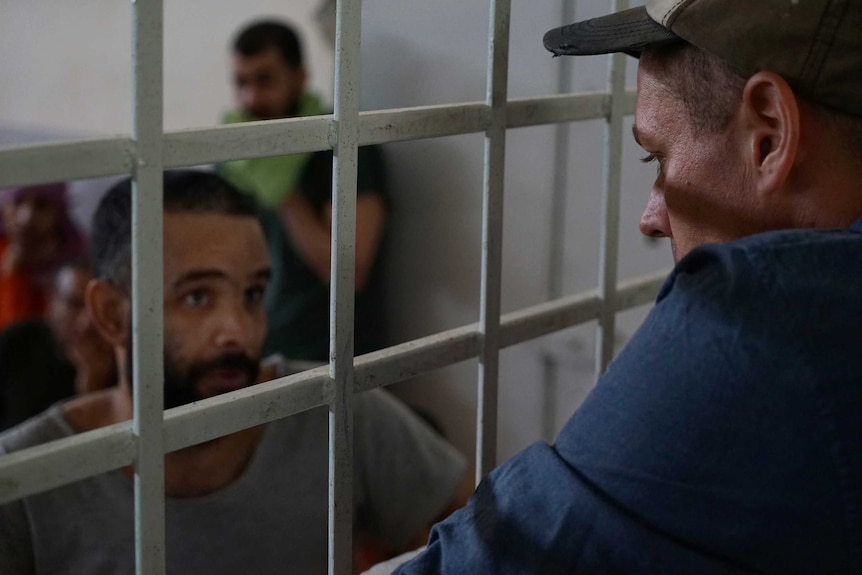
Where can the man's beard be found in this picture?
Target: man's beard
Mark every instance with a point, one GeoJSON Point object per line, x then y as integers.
{"type": "Point", "coordinates": [180, 387]}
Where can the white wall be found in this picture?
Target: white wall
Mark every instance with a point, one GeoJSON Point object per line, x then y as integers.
{"type": "Point", "coordinates": [69, 75]}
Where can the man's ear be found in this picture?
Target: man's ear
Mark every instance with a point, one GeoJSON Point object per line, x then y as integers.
{"type": "Point", "coordinates": [773, 127]}
{"type": "Point", "coordinates": [108, 308]}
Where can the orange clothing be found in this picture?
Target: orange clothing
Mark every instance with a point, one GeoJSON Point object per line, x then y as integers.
{"type": "Point", "coordinates": [21, 296]}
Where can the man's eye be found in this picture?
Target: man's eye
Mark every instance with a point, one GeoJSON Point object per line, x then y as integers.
{"type": "Point", "coordinates": [196, 298]}
{"type": "Point", "coordinates": [255, 295]}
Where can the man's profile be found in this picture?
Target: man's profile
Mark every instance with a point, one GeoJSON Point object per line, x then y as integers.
{"type": "Point", "coordinates": [725, 436]}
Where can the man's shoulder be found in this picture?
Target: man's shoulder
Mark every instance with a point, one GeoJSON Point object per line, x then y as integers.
{"type": "Point", "coordinates": [778, 261]}
{"type": "Point", "coordinates": [49, 425]}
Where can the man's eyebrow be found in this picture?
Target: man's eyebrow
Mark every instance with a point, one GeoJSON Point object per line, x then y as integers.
{"type": "Point", "coordinates": [198, 275]}
{"type": "Point", "coordinates": [263, 274]}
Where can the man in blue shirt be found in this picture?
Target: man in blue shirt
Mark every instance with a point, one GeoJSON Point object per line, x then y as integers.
{"type": "Point", "coordinates": [726, 437]}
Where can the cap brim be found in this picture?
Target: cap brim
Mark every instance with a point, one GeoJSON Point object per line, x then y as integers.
{"type": "Point", "coordinates": [627, 31]}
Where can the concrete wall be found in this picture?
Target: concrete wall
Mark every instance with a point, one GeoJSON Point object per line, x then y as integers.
{"type": "Point", "coordinates": [69, 75]}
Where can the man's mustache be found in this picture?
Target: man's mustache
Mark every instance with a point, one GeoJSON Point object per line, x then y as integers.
{"type": "Point", "coordinates": [235, 361]}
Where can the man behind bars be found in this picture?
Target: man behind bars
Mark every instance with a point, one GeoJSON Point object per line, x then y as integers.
{"type": "Point", "coordinates": [726, 437]}
{"type": "Point", "coordinates": [254, 501]}
{"type": "Point", "coordinates": [269, 77]}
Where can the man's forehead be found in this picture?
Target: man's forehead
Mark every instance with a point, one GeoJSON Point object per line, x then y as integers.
{"type": "Point", "coordinates": [213, 240]}
{"type": "Point", "coordinates": [267, 58]}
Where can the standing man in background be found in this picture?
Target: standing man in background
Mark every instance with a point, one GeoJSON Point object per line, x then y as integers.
{"type": "Point", "coordinates": [296, 192]}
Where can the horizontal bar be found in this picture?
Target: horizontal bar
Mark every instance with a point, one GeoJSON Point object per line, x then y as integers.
{"type": "Point", "coordinates": [64, 161]}
{"type": "Point", "coordinates": [379, 127]}
{"type": "Point", "coordinates": [224, 414]}
{"type": "Point", "coordinates": [545, 318]}
{"type": "Point", "coordinates": [247, 140]}
{"type": "Point", "coordinates": [639, 291]}
{"type": "Point", "coordinates": [65, 461]}
{"type": "Point", "coordinates": [556, 109]}
{"type": "Point", "coordinates": [406, 360]}
{"type": "Point", "coordinates": [100, 157]}
{"type": "Point", "coordinates": [58, 463]}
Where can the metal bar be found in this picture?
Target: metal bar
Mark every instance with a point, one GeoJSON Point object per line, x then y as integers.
{"type": "Point", "coordinates": [147, 288]}
{"type": "Point", "coordinates": [608, 254]}
{"type": "Point", "coordinates": [380, 127]}
{"type": "Point", "coordinates": [639, 291]}
{"type": "Point", "coordinates": [231, 412]}
{"type": "Point", "coordinates": [247, 140]}
{"type": "Point", "coordinates": [65, 461]}
{"type": "Point", "coordinates": [100, 157]}
{"type": "Point", "coordinates": [342, 288]}
{"type": "Point", "coordinates": [403, 361]}
{"type": "Point", "coordinates": [492, 238]}
{"type": "Point", "coordinates": [58, 162]}
{"type": "Point", "coordinates": [559, 109]}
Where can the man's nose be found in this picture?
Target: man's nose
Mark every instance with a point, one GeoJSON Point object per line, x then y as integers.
{"type": "Point", "coordinates": [251, 97]}
{"type": "Point", "coordinates": [654, 221]}
{"type": "Point", "coordinates": [234, 326]}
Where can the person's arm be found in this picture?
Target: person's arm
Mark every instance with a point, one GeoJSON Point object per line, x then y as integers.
{"type": "Point", "coordinates": [408, 476]}
{"type": "Point", "coordinates": [311, 233]}
{"type": "Point", "coordinates": [459, 499]}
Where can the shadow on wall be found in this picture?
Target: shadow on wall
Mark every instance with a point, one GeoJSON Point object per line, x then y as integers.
{"type": "Point", "coordinates": [433, 266]}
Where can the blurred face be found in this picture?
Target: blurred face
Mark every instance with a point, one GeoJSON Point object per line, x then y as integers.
{"type": "Point", "coordinates": [216, 270]}
{"type": "Point", "coordinates": [266, 86]}
{"type": "Point", "coordinates": [67, 313]}
{"type": "Point", "coordinates": [30, 219]}
{"type": "Point", "coordinates": [79, 338]}
{"type": "Point", "coordinates": [701, 193]}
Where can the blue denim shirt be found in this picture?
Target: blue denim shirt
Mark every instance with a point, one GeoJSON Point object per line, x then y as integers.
{"type": "Point", "coordinates": [725, 438]}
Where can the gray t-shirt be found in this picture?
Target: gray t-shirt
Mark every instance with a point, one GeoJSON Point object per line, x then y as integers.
{"type": "Point", "coordinates": [271, 519]}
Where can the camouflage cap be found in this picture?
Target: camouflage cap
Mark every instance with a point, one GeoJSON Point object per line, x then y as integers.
{"type": "Point", "coordinates": [816, 45]}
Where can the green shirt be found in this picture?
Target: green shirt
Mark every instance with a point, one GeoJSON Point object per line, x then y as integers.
{"type": "Point", "coordinates": [271, 179]}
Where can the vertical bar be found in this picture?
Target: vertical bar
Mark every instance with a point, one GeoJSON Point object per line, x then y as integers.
{"type": "Point", "coordinates": [492, 237]}
{"type": "Point", "coordinates": [147, 298]}
{"type": "Point", "coordinates": [557, 235]}
{"type": "Point", "coordinates": [611, 208]}
{"type": "Point", "coordinates": [345, 154]}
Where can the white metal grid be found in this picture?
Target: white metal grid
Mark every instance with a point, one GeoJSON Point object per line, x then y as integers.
{"type": "Point", "coordinates": [148, 151]}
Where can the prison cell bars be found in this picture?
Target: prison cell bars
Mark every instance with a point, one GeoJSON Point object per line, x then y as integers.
{"type": "Point", "coordinates": [149, 150]}
{"type": "Point", "coordinates": [147, 286]}
{"type": "Point", "coordinates": [347, 26]}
